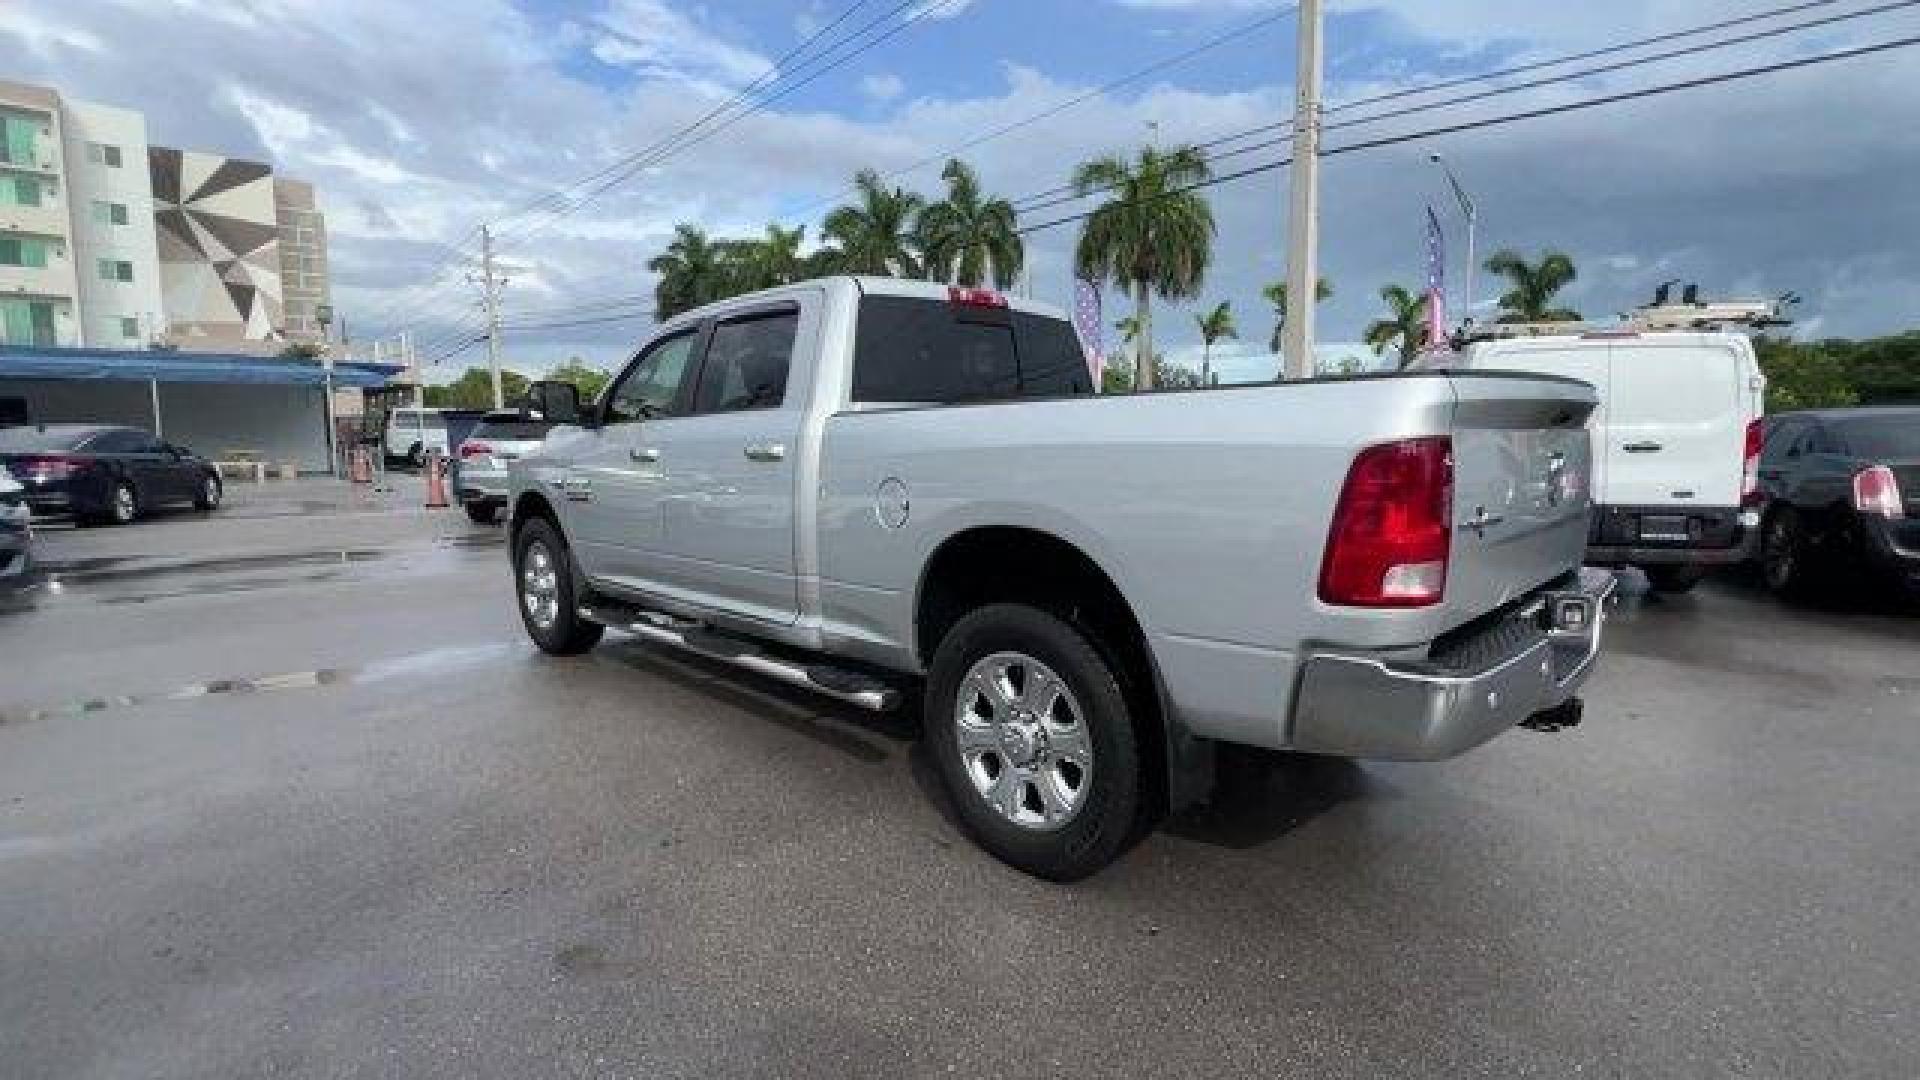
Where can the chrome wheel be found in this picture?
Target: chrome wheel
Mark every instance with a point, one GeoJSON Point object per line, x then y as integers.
{"type": "Point", "coordinates": [1780, 554]}
{"type": "Point", "coordinates": [124, 506]}
{"type": "Point", "coordinates": [1023, 741]}
{"type": "Point", "coordinates": [539, 585]}
{"type": "Point", "coordinates": [210, 493]}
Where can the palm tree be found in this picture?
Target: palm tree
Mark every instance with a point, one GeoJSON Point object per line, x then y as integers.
{"type": "Point", "coordinates": [873, 234]}
{"type": "Point", "coordinates": [771, 260]}
{"type": "Point", "coordinates": [1153, 235]}
{"type": "Point", "coordinates": [691, 271]}
{"type": "Point", "coordinates": [1276, 295]}
{"type": "Point", "coordinates": [967, 238]}
{"type": "Point", "coordinates": [1533, 286]}
{"type": "Point", "coordinates": [1214, 325]}
{"type": "Point", "coordinates": [1404, 326]}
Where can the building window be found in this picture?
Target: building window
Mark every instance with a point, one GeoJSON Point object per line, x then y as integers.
{"type": "Point", "coordinates": [103, 154]}
{"type": "Point", "coordinates": [129, 327]}
{"type": "Point", "coordinates": [18, 190]}
{"type": "Point", "coordinates": [20, 141]}
{"type": "Point", "coordinates": [109, 213]}
{"type": "Point", "coordinates": [115, 270]}
{"type": "Point", "coordinates": [26, 322]}
{"type": "Point", "coordinates": [17, 250]}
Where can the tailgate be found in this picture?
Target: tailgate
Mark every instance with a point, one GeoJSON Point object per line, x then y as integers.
{"type": "Point", "coordinates": [1522, 477]}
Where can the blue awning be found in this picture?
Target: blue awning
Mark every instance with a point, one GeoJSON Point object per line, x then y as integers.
{"type": "Point", "coordinates": [145, 365]}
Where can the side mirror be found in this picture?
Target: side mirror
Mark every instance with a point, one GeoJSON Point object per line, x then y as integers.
{"type": "Point", "coordinates": [555, 402]}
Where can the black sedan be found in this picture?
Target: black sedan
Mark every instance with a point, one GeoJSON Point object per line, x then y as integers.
{"type": "Point", "coordinates": [1840, 489]}
{"type": "Point", "coordinates": [105, 475]}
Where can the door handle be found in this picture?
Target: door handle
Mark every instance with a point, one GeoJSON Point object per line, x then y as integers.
{"type": "Point", "coordinates": [644, 453]}
{"type": "Point", "coordinates": [1642, 448]}
{"type": "Point", "coordinates": [765, 451]}
{"type": "Point", "coordinates": [577, 489]}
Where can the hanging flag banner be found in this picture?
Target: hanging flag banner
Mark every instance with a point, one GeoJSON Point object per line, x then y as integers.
{"type": "Point", "coordinates": [1436, 282]}
{"type": "Point", "coordinates": [1086, 320]}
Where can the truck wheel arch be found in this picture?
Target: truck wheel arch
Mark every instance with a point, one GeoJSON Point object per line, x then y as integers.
{"type": "Point", "coordinates": [530, 504]}
{"type": "Point", "coordinates": [1001, 564]}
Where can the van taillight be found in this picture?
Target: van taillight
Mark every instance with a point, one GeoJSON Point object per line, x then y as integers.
{"type": "Point", "coordinates": [1750, 465]}
{"type": "Point", "coordinates": [470, 448]}
{"type": "Point", "coordinates": [1877, 491]}
{"type": "Point", "coordinates": [1391, 529]}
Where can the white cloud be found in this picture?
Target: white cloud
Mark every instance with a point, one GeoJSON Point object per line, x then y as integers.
{"type": "Point", "coordinates": [882, 86]}
{"type": "Point", "coordinates": [653, 37]}
{"type": "Point", "coordinates": [936, 10]}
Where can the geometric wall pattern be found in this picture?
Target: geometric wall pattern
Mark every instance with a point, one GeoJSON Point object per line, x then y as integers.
{"type": "Point", "coordinates": [219, 245]}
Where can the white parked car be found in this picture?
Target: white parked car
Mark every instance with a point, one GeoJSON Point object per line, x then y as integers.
{"type": "Point", "coordinates": [1676, 442]}
{"type": "Point", "coordinates": [16, 530]}
{"type": "Point", "coordinates": [412, 432]}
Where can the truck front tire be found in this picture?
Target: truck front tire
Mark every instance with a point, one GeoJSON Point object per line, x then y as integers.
{"type": "Point", "coordinates": [543, 584]}
{"type": "Point", "coordinates": [1034, 741]}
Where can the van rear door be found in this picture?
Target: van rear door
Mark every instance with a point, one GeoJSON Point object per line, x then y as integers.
{"type": "Point", "coordinates": [1675, 431]}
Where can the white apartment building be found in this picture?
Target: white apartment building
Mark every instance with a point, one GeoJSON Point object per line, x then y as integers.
{"type": "Point", "coordinates": [39, 293]}
{"type": "Point", "coordinates": [117, 266]}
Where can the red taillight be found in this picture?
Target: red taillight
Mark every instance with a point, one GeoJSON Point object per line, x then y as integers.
{"type": "Point", "coordinates": [1392, 528]}
{"type": "Point", "coordinates": [974, 297]}
{"type": "Point", "coordinates": [1877, 491]}
{"type": "Point", "coordinates": [1750, 464]}
{"type": "Point", "coordinates": [471, 448]}
{"type": "Point", "coordinates": [50, 468]}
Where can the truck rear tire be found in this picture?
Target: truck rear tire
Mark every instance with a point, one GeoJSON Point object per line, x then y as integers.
{"type": "Point", "coordinates": [1034, 741]}
{"type": "Point", "coordinates": [1674, 577]}
{"type": "Point", "coordinates": [543, 583]}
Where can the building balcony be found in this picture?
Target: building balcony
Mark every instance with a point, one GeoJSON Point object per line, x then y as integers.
{"type": "Point", "coordinates": [48, 219]}
{"type": "Point", "coordinates": [40, 165]}
{"type": "Point", "coordinates": [51, 282]}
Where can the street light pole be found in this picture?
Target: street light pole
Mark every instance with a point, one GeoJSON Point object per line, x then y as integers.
{"type": "Point", "coordinates": [1303, 219]}
{"type": "Point", "coordinates": [1472, 214]}
{"type": "Point", "coordinates": [492, 286]}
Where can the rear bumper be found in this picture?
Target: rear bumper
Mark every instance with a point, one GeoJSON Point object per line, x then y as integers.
{"type": "Point", "coordinates": [1371, 706]}
{"type": "Point", "coordinates": [480, 486]}
{"type": "Point", "coordinates": [1715, 536]}
{"type": "Point", "coordinates": [1895, 546]}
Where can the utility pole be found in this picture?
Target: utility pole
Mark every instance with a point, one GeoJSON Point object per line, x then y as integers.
{"type": "Point", "coordinates": [1303, 220]}
{"type": "Point", "coordinates": [491, 284]}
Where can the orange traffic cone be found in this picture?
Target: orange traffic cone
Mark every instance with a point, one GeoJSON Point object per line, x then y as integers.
{"type": "Point", "coordinates": [436, 486]}
{"type": "Point", "coordinates": [357, 469]}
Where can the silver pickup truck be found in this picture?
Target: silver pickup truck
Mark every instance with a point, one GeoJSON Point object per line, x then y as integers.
{"type": "Point", "coordinates": [870, 486]}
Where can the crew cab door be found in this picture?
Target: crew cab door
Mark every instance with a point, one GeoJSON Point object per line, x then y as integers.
{"type": "Point", "coordinates": [613, 493]}
{"type": "Point", "coordinates": [730, 513]}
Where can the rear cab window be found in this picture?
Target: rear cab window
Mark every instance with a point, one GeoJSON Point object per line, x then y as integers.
{"type": "Point", "coordinates": [911, 350]}
{"type": "Point", "coordinates": [1883, 438]}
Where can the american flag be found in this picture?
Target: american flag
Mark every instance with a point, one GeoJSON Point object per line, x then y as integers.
{"type": "Point", "coordinates": [1086, 319]}
{"type": "Point", "coordinates": [1436, 282]}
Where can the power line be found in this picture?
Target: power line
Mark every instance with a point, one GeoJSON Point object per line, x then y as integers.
{"type": "Point", "coordinates": [593, 305]}
{"type": "Point", "coordinates": [1067, 193]}
{"type": "Point", "coordinates": [1530, 114]}
{"type": "Point", "coordinates": [590, 321]}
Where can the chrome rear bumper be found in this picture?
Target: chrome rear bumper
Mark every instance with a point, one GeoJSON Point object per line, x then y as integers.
{"type": "Point", "coordinates": [1367, 706]}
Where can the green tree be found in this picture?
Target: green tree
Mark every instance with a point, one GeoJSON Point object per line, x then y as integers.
{"type": "Point", "coordinates": [773, 259]}
{"type": "Point", "coordinates": [1276, 295]}
{"type": "Point", "coordinates": [874, 235]}
{"type": "Point", "coordinates": [589, 379]}
{"type": "Point", "coordinates": [1214, 325]}
{"type": "Point", "coordinates": [1115, 379]}
{"type": "Point", "coordinates": [1154, 234]}
{"type": "Point", "coordinates": [692, 272]}
{"type": "Point", "coordinates": [303, 350]}
{"type": "Point", "coordinates": [1171, 376]}
{"type": "Point", "coordinates": [1404, 326]}
{"type": "Point", "coordinates": [474, 390]}
{"type": "Point", "coordinates": [1532, 286]}
{"type": "Point", "coordinates": [1803, 376]}
{"type": "Point", "coordinates": [968, 238]}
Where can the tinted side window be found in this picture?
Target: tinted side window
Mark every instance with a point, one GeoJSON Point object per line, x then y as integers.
{"type": "Point", "coordinates": [117, 442]}
{"type": "Point", "coordinates": [912, 350]}
{"type": "Point", "coordinates": [520, 430]}
{"type": "Point", "coordinates": [651, 385]}
{"type": "Point", "coordinates": [1780, 440]}
{"type": "Point", "coordinates": [747, 362]}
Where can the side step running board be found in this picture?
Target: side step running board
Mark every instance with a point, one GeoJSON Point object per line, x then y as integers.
{"type": "Point", "coordinates": [842, 684]}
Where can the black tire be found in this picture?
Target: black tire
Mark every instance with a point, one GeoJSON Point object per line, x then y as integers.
{"type": "Point", "coordinates": [565, 633]}
{"type": "Point", "coordinates": [208, 497]}
{"type": "Point", "coordinates": [123, 504]}
{"type": "Point", "coordinates": [1783, 555]}
{"type": "Point", "coordinates": [1104, 823]}
{"type": "Point", "coordinates": [1674, 578]}
{"type": "Point", "coordinates": [483, 513]}
{"type": "Point", "coordinates": [416, 457]}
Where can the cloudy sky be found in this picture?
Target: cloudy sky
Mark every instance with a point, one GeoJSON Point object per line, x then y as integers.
{"type": "Point", "coordinates": [419, 120]}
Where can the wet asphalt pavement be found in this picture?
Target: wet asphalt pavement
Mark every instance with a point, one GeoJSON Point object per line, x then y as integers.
{"type": "Point", "coordinates": [285, 793]}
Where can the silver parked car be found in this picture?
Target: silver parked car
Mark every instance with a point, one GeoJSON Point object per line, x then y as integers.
{"type": "Point", "coordinates": [16, 530]}
{"type": "Point", "coordinates": [480, 472]}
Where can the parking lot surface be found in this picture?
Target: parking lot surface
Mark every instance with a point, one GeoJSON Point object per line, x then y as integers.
{"type": "Point", "coordinates": [286, 792]}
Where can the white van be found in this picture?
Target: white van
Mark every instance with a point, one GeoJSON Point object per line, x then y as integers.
{"type": "Point", "coordinates": [1676, 442]}
{"type": "Point", "coordinates": [412, 432]}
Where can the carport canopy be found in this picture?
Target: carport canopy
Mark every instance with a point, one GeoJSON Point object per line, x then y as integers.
{"type": "Point", "coordinates": [178, 367]}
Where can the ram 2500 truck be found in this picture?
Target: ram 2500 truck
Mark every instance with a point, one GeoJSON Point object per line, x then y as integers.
{"type": "Point", "coordinates": [873, 487]}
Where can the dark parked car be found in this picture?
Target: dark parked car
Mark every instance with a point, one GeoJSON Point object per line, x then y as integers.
{"type": "Point", "coordinates": [1840, 488]}
{"type": "Point", "coordinates": [108, 475]}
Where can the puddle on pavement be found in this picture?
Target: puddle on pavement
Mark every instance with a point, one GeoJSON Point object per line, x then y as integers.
{"type": "Point", "coordinates": [120, 569]}
{"type": "Point", "coordinates": [430, 662]}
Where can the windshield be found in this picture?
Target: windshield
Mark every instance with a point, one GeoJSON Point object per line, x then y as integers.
{"type": "Point", "coordinates": [1885, 438]}
{"type": "Point", "coordinates": [26, 440]}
